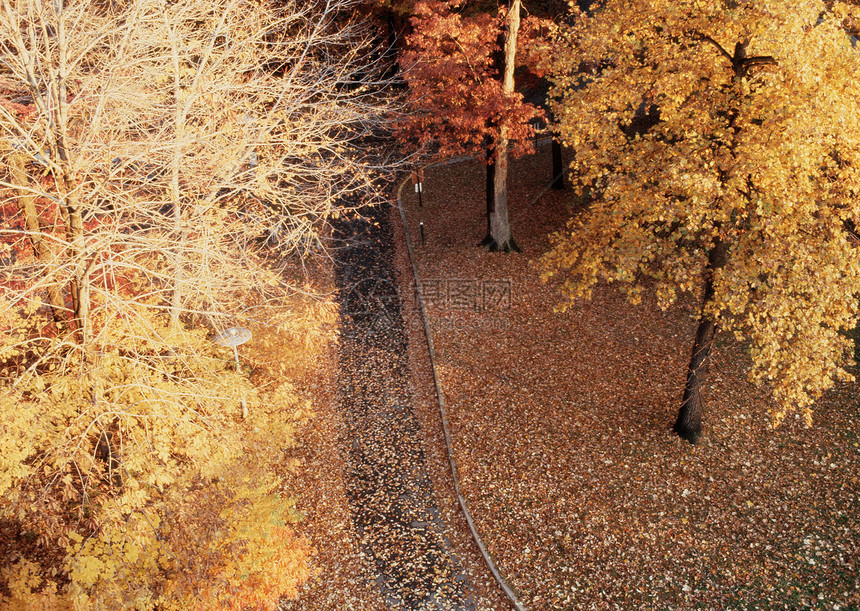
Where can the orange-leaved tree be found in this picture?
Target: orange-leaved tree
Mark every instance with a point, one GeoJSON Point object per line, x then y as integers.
{"type": "Point", "coordinates": [166, 169]}
{"type": "Point", "coordinates": [461, 97]}
{"type": "Point", "coordinates": [743, 188]}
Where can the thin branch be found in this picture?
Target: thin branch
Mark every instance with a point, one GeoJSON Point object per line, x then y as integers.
{"type": "Point", "coordinates": [719, 47]}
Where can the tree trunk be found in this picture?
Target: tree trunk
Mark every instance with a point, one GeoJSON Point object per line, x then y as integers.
{"type": "Point", "coordinates": [500, 238]}
{"type": "Point", "coordinates": [500, 227]}
{"type": "Point", "coordinates": [179, 124]}
{"type": "Point", "coordinates": [80, 278]}
{"type": "Point", "coordinates": [689, 422]}
{"type": "Point", "coordinates": [490, 194]}
{"type": "Point", "coordinates": [557, 166]}
{"type": "Point", "coordinates": [27, 205]}
{"type": "Point", "coordinates": [67, 184]}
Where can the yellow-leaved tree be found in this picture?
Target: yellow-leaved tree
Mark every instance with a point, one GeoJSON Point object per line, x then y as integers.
{"type": "Point", "coordinates": [722, 141]}
{"type": "Point", "coordinates": [167, 167]}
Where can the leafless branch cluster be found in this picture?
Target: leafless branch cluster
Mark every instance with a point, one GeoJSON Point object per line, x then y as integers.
{"type": "Point", "coordinates": [158, 148]}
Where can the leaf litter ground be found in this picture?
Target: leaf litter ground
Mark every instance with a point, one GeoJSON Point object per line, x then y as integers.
{"type": "Point", "coordinates": [562, 429]}
{"type": "Point", "coordinates": [562, 433]}
{"type": "Point", "coordinates": [404, 551]}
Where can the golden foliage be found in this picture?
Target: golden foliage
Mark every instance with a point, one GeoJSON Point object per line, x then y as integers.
{"type": "Point", "coordinates": [757, 147]}
{"type": "Point", "coordinates": [29, 591]}
{"type": "Point", "coordinates": [172, 476]}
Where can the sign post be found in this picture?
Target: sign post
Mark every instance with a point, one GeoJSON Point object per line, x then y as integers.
{"type": "Point", "coordinates": [418, 181]}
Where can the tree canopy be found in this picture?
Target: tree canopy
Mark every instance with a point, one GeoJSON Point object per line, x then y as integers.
{"type": "Point", "coordinates": [459, 67]}
{"type": "Point", "coordinates": [453, 66]}
{"type": "Point", "coordinates": [743, 188]}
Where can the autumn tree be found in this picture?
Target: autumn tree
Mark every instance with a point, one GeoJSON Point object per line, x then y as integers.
{"type": "Point", "coordinates": [742, 189]}
{"type": "Point", "coordinates": [168, 169]}
{"type": "Point", "coordinates": [460, 72]}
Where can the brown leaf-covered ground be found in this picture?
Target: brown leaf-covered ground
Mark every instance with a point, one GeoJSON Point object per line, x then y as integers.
{"type": "Point", "coordinates": [562, 433]}
{"type": "Point", "coordinates": [378, 505]}
{"type": "Point", "coordinates": [562, 427]}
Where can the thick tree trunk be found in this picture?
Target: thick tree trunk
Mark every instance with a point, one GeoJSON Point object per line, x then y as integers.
{"type": "Point", "coordinates": [689, 422]}
{"type": "Point", "coordinates": [557, 166]}
{"type": "Point", "coordinates": [490, 194]}
{"type": "Point", "coordinates": [500, 238]}
{"type": "Point", "coordinates": [500, 227]}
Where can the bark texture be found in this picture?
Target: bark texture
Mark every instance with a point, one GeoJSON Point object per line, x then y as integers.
{"type": "Point", "coordinates": [491, 194]}
{"type": "Point", "coordinates": [500, 238]}
{"type": "Point", "coordinates": [688, 425]}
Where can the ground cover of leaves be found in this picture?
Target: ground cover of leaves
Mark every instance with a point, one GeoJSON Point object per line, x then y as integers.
{"type": "Point", "coordinates": [319, 484]}
{"type": "Point", "coordinates": [338, 566]}
{"type": "Point", "coordinates": [353, 568]}
{"type": "Point", "coordinates": [562, 432]}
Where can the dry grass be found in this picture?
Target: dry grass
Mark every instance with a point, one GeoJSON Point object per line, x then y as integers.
{"type": "Point", "coordinates": [562, 427]}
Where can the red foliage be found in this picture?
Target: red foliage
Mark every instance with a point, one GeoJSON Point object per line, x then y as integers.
{"type": "Point", "coordinates": [455, 91]}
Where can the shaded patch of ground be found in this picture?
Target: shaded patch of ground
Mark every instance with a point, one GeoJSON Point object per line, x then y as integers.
{"type": "Point", "coordinates": [392, 502]}
{"type": "Point", "coordinates": [373, 482]}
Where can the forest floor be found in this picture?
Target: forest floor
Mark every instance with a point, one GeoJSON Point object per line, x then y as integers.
{"type": "Point", "coordinates": [562, 432]}
{"type": "Point", "coordinates": [384, 521]}
{"type": "Point", "coordinates": [561, 425]}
